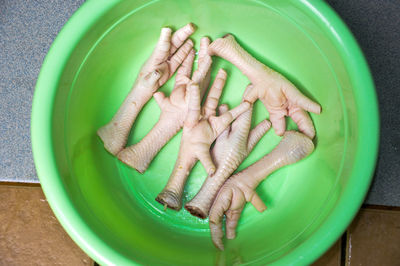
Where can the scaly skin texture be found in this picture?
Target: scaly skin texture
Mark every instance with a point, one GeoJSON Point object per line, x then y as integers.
{"type": "Point", "coordinates": [168, 54]}
{"type": "Point", "coordinates": [279, 95]}
{"type": "Point", "coordinates": [240, 188]}
{"type": "Point", "coordinates": [201, 127]}
{"type": "Point", "coordinates": [173, 110]}
{"type": "Point", "coordinates": [230, 149]}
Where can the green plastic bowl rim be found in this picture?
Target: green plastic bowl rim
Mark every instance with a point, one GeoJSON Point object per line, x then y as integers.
{"type": "Point", "coordinates": [307, 252]}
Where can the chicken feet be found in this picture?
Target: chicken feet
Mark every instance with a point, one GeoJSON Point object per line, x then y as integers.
{"type": "Point", "coordinates": [168, 54]}
{"type": "Point", "coordinates": [230, 149]}
{"type": "Point", "coordinates": [201, 127]}
{"type": "Point", "coordinates": [280, 97]}
{"type": "Point", "coordinates": [173, 110]}
{"type": "Point", "coordinates": [240, 188]}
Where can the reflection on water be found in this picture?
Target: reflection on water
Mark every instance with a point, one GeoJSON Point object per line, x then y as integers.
{"type": "Point", "coordinates": [230, 256]}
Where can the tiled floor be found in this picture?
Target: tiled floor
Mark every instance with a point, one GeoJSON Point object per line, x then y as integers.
{"type": "Point", "coordinates": [29, 232]}
{"type": "Point", "coordinates": [332, 257]}
{"type": "Point", "coordinates": [374, 238]}
{"type": "Point", "coordinates": [31, 235]}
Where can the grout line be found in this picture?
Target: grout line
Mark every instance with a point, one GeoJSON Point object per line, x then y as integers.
{"type": "Point", "coordinates": [381, 207]}
{"type": "Point", "coordinates": [343, 249]}
{"type": "Point", "coordinates": [19, 184]}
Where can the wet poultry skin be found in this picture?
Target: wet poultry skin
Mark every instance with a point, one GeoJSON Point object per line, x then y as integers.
{"type": "Point", "coordinates": [173, 110]}
{"type": "Point", "coordinates": [230, 149]}
{"type": "Point", "coordinates": [280, 97]}
{"type": "Point", "coordinates": [240, 188]}
{"type": "Point", "coordinates": [201, 127]}
{"type": "Point", "coordinates": [169, 53]}
{"type": "Point", "coordinates": [222, 194]}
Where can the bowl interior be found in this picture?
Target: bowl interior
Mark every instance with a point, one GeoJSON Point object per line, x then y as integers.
{"type": "Point", "coordinates": [118, 204]}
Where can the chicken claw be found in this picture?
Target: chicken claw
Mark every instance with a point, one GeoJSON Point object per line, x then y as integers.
{"type": "Point", "coordinates": [201, 128]}
{"type": "Point", "coordinates": [240, 188]}
{"type": "Point", "coordinates": [173, 110]}
{"type": "Point", "coordinates": [169, 53]}
{"type": "Point", "coordinates": [230, 149]}
{"type": "Point", "coordinates": [280, 97]}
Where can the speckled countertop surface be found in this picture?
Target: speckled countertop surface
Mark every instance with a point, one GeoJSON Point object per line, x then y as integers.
{"type": "Point", "coordinates": [27, 29]}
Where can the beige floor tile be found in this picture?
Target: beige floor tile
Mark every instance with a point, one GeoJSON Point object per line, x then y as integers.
{"type": "Point", "coordinates": [29, 232]}
{"type": "Point", "coordinates": [374, 238]}
{"type": "Point", "coordinates": [331, 257]}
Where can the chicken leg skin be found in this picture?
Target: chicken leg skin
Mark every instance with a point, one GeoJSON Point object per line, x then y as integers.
{"type": "Point", "coordinates": [280, 97]}
{"type": "Point", "coordinates": [240, 188]}
{"type": "Point", "coordinates": [173, 110]}
{"type": "Point", "coordinates": [168, 54]}
{"type": "Point", "coordinates": [230, 149]}
{"type": "Point", "coordinates": [199, 132]}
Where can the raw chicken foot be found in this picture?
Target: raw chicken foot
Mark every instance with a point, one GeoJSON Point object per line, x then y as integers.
{"type": "Point", "coordinates": [240, 188]}
{"type": "Point", "coordinates": [173, 110]}
{"type": "Point", "coordinates": [168, 54]}
{"type": "Point", "coordinates": [201, 127]}
{"type": "Point", "coordinates": [230, 149]}
{"type": "Point", "coordinates": [279, 95]}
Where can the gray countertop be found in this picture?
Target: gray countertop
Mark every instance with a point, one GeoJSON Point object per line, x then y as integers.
{"type": "Point", "coordinates": [27, 29]}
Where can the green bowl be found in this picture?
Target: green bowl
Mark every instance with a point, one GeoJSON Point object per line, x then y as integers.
{"type": "Point", "coordinates": [109, 208]}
